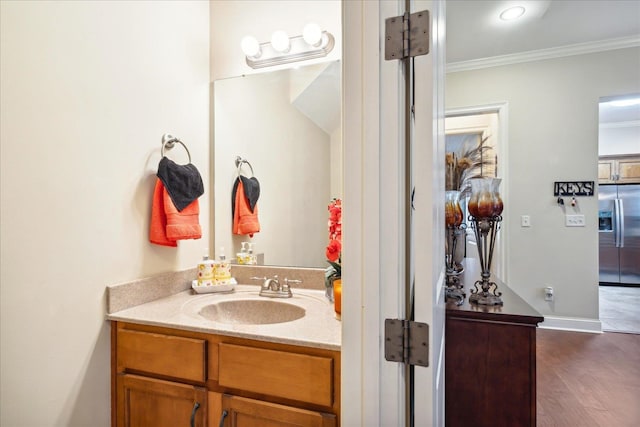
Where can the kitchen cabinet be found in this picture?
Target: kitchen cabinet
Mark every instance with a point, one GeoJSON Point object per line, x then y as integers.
{"type": "Point", "coordinates": [490, 359]}
{"type": "Point", "coordinates": [166, 376]}
{"type": "Point", "coordinates": [619, 169]}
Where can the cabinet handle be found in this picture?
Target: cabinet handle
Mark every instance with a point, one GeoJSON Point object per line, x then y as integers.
{"type": "Point", "coordinates": [196, 406]}
{"type": "Point", "coordinates": [224, 415]}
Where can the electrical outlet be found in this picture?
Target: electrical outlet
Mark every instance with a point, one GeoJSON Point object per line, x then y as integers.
{"type": "Point", "coordinates": [574, 220]}
{"type": "Point", "coordinates": [548, 293]}
{"type": "Point", "coordinates": [525, 221]}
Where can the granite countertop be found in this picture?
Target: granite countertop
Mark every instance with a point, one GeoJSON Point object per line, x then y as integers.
{"type": "Point", "coordinates": [317, 328]}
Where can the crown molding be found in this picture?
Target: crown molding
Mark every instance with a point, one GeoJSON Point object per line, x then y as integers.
{"type": "Point", "coordinates": [542, 54]}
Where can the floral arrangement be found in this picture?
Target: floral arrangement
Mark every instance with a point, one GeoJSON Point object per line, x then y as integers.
{"type": "Point", "coordinates": [334, 248]}
{"type": "Point", "coordinates": [465, 164]}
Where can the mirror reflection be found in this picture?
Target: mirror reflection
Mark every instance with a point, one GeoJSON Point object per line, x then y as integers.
{"type": "Point", "coordinates": [286, 124]}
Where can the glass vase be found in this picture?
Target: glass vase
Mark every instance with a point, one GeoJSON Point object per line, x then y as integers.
{"type": "Point", "coordinates": [498, 206]}
{"type": "Point", "coordinates": [485, 201]}
{"type": "Point", "coordinates": [477, 185]}
{"type": "Point", "coordinates": [337, 297]}
{"type": "Point", "coordinates": [452, 209]}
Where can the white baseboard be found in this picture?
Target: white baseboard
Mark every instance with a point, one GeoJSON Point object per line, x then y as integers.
{"type": "Point", "coordinates": [572, 324]}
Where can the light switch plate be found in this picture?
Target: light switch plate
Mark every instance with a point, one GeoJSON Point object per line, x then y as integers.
{"type": "Point", "coordinates": [574, 220]}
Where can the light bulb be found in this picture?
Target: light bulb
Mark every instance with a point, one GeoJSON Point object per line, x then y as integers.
{"type": "Point", "coordinates": [312, 34]}
{"type": "Point", "coordinates": [280, 41]}
{"type": "Point", "coordinates": [512, 13]}
{"type": "Point", "coordinates": [250, 46]}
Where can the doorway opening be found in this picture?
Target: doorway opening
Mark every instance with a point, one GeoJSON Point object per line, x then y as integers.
{"type": "Point", "coordinates": [619, 213]}
{"type": "Point", "coordinates": [465, 128]}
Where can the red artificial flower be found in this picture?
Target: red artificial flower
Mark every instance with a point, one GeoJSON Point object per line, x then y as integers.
{"type": "Point", "coordinates": [333, 250]}
{"type": "Point", "coordinates": [335, 213]}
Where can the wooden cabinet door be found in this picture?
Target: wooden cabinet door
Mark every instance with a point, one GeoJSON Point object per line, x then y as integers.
{"type": "Point", "coordinates": [629, 170]}
{"type": "Point", "coordinates": [605, 171]}
{"type": "Point", "coordinates": [243, 412]}
{"type": "Point", "coordinates": [145, 402]}
{"type": "Point", "coordinates": [619, 170]}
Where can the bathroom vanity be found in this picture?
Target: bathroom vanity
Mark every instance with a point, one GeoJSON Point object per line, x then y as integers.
{"type": "Point", "coordinates": [172, 377]}
{"type": "Point", "coordinates": [173, 366]}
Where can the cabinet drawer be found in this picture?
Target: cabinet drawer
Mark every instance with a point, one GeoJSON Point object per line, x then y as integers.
{"type": "Point", "coordinates": [277, 373]}
{"type": "Point", "coordinates": [172, 356]}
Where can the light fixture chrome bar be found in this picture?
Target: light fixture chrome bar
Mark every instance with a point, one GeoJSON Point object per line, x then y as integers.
{"type": "Point", "coordinates": [298, 51]}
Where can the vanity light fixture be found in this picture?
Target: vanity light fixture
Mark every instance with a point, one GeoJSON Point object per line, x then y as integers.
{"type": "Point", "coordinates": [512, 13]}
{"type": "Point", "coordinates": [282, 49]}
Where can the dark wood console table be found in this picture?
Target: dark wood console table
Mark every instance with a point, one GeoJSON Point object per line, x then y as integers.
{"type": "Point", "coordinates": [490, 360]}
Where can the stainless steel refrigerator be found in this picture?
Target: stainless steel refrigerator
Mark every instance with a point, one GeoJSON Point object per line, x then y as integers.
{"type": "Point", "coordinates": [619, 234]}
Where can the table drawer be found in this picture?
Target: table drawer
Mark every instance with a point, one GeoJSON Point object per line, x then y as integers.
{"type": "Point", "coordinates": [172, 356]}
{"type": "Point", "coordinates": [277, 373]}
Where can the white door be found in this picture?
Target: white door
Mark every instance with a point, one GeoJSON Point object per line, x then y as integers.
{"type": "Point", "coordinates": [373, 390]}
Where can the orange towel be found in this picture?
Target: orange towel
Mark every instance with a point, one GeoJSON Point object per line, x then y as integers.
{"type": "Point", "coordinates": [244, 220]}
{"type": "Point", "coordinates": [167, 224]}
{"type": "Point", "coordinates": [184, 224]}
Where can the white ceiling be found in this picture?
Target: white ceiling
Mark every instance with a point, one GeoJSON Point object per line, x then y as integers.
{"type": "Point", "coordinates": [475, 31]}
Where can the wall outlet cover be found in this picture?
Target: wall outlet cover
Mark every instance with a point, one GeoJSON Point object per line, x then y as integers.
{"type": "Point", "coordinates": [574, 220]}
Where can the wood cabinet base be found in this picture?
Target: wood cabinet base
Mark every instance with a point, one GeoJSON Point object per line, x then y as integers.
{"type": "Point", "coordinates": [169, 377]}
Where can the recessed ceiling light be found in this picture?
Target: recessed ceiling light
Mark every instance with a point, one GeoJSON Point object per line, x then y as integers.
{"type": "Point", "coordinates": [512, 13]}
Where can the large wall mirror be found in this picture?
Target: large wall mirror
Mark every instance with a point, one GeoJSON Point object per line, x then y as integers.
{"type": "Point", "coordinates": [286, 124]}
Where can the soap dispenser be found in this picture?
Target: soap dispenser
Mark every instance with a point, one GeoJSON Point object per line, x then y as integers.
{"type": "Point", "coordinates": [223, 269]}
{"type": "Point", "coordinates": [206, 270]}
{"type": "Point", "coordinates": [242, 255]}
{"type": "Point", "coordinates": [251, 257]}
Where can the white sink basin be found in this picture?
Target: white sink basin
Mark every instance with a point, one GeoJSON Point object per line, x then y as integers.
{"type": "Point", "coordinates": [252, 312]}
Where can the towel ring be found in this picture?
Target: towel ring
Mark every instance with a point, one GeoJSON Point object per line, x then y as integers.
{"type": "Point", "coordinates": [240, 161]}
{"type": "Point", "coordinates": [169, 142]}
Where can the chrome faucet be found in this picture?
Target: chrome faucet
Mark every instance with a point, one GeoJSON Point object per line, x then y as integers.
{"type": "Point", "coordinates": [272, 288]}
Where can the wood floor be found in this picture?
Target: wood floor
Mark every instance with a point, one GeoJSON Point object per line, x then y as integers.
{"type": "Point", "coordinates": [586, 380]}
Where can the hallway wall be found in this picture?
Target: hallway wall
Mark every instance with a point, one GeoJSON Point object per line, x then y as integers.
{"type": "Point", "coordinates": [552, 136]}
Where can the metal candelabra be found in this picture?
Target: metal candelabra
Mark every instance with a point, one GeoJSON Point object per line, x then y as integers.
{"type": "Point", "coordinates": [454, 288]}
{"type": "Point", "coordinates": [485, 230]}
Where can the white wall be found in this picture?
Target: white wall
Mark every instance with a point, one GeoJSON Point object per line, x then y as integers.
{"type": "Point", "coordinates": [336, 158]}
{"type": "Point", "coordinates": [232, 20]}
{"type": "Point", "coordinates": [254, 119]}
{"type": "Point", "coordinates": [87, 90]}
{"type": "Point", "coordinates": [619, 140]}
{"type": "Point", "coordinates": [552, 136]}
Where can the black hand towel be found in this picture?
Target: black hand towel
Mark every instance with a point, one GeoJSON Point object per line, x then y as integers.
{"type": "Point", "coordinates": [183, 182]}
{"type": "Point", "coordinates": [251, 192]}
